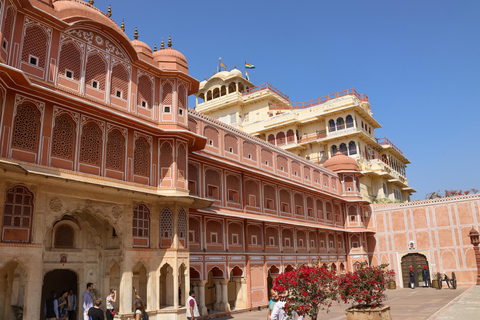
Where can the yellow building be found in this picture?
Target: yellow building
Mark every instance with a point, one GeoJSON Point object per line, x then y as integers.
{"type": "Point", "coordinates": [316, 129]}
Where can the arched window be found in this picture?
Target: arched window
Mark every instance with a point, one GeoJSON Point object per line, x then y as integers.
{"type": "Point", "coordinates": [141, 158]}
{"type": "Point", "coordinates": [232, 87]}
{"type": "Point", "coordinates": [182, 224]}
{"type": "Point", "coordinates": [352, 148]}
{"type": "Point", "coordinates": [340, 124]}
{"type": "Point", "coordinates": [349, 121]}
{"type": "Point", "coordinates": [35, 43]}
{"type": "Point", "coordinates": [271, 139]}
{"type": "Point", "coordinates": [26, 128]}
{"type": "Point", "coordinates": [334, 150]}
{"type": "Point", "coordinates": [223, 91]}
{"type": "Point", "coordinates": [209, 95]}
{"type": "Point", "coordinates": [64, 237]}
{"type": "Point", "coordinates": [182, 99]}
{"type": "Point", "coordinates": [167, 95]}
{"type": "Point", "coordinates": [216, 93]}
{"type": "Point", "coordinates": [166, 160]}
{"type": "Point", "coordinates": [63, 140]}
{"type": "Point", "coordinates": [280, 138]}
{"type": "Point", "coordinates": [331, 125]}
{"type": "Point", "coordinates": [290, 136]}
{"type": "Point", "coordinates": [343, 149]}
{"type": "Point", "coordinates": [70, 61]}
{"type": "Point", "coordinates": [91, 144]}
{"type": "Point", "coordinates": [145, 92]}
{"type": "Point", "coordinates": [141, 226]}
{"type": "Point", "coordinates": [18, 215]}
{"type": "Point", "coordinates": [7, 31]}
{"type": "Point", "coordinates": [119, 82]}
{"type": "Point", "coordinates": [115, 151]}
{"type": "Point", "coordinates": [95, 72]}
{"type": "Point", "coordinates": [166, 223]}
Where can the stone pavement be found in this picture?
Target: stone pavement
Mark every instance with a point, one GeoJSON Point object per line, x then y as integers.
{"type": "Point", "coordinates": [465, 306]}
{"type": "Point", "coordinates": [418, 304]}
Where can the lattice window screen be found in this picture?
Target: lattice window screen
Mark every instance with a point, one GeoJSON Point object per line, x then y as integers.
{"type": "Point", "coordinates": [166, 159]}
{"type": "Point", "coordinates": [145, 89]}
{"type": "Point", "coordinates": [26, 128]}
{"type": "Point", "coordinates": [70, 58]}
{"type": "Point", "coordinates": [166, 223]}
{"type": "Point", "coordinates": [182, 224]}
{"type": "Point", "coordinates": [115, 151]}
{"type": "Point", "coordinates": [96, 70]}
{"type": "Point", "coordinates": [141, 164]}
{"type": "Point", "coordinates": [63, 140]}
{"type": "Point", "coordinates": [182, 162]}
{"type": "Point", "coordinates": [35, 43]}
{"type": "Point", "coordinates": [18, 208]}
{"type": "Point", "coordinates": [91, 144]}
{"type": "Point", "coordinates": [120, 79]}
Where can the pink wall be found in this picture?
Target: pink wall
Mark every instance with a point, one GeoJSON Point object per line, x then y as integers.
{"type": "Point", "coordinates": [438, 228]}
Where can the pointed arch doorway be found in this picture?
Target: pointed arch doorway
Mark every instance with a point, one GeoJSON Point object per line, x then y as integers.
{"type": "Point", "coordinates": [58, 280]}
{"type": "Point", "coordinates": [417, 261]}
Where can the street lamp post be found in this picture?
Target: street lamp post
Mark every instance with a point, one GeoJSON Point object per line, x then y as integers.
{"type": "Point", "coordinates": [474, 239]}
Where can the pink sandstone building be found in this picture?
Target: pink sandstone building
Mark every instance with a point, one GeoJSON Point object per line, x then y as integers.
{"type": "Point", "coordinates": [107, 177]}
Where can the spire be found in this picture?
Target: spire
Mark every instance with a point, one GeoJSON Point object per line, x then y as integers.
{"type": "Point", "coordinates": [235, 67]}
{"type": "Point", "coordinates": [123, 26]}
{"type": "Point", "coordinates": [162, 46]}
{"type": "Point", "coordinates": [205, 78]}
{"type": "Point", "coordinates": [109, 11]}
{"type": "Point", "coordinates": [135, 35]}
{"type": "Point", "coordinates": [155, 48]}
{"type": "Point", "coordinates": [169, 41]}
{"type": "Point", "coordinates": [91, 2]}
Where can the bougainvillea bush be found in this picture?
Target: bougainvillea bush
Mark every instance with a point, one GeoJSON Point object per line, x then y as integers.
{"type": "Point", "coordinates": [307, 290]}
{"type": "Point", "coordinates": [365, 286]}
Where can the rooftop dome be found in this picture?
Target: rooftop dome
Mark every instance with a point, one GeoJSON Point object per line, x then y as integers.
{"type": "Point", "coordinates": [236, 72]}
{"type": "Point", "coordinates": [141, 47]}
{"type": "Point", "coordinates": [341, 162]}
{"type": "Point", "coordinates": [170, 59]}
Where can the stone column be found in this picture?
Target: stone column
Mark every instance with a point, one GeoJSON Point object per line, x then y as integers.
{"type": "Point", "coordinates": [33, 294]}
{"type": "Point", "coordinates": [175, 288]}
{"type": "Point", "coordinates": [474, 239]}
{"type": "Point", "coordinates": [126, 286]}
{"type": "Point", "coordinates": [239, 288]}
{"type": "Point", "coordinates": [218, 295]}
{"type": "Point", "coordinates": [186, 287]}
{"type": "Point", "coordinates": [225, 306]}
{"type": "Point", "coordinates": [200, 290]}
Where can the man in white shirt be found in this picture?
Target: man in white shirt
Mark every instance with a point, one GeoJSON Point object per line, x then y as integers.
{"type": "Point", "coordinates": [278, 312]}
{"type": "Point", "coordinates": [192, 308]}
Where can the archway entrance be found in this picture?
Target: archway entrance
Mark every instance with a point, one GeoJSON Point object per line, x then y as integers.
{"type": "Point", "coordinates": [273, 272]}
{"type": "Point", "coordinates": [416, 261]}
{"type": "Point", "coordinates": [58, 280]}
{"type": "Point", "coordinates": [12, 289]}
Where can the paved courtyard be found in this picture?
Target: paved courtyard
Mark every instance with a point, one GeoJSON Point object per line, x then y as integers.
{"type": "Point", "coordinates": [418, 304]}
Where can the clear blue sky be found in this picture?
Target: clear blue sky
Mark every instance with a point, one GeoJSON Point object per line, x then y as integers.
{"type": "Point", "coordinates": [418, 61]}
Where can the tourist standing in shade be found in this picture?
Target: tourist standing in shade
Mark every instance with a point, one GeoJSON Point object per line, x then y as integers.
{"type": "Point", "coordinates": [51, 307]}
{"type": "Point", "coordinates": [72, 308]}
{"type": "Point", "coordinates": [63, 304]}
{"type": "Point", "coordinates": [192, 308]}
{"type": "Point", "coordinates": [278, 312]}
{"type": "Point", "coordinates": [87, 300]}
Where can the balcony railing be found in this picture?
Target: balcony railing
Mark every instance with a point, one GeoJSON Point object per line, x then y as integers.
{"type": "Point", "coordinates": [318, 101]}
{"type": "Point", "coordinates": [312, 136]}
{"type": "Point", "coordinates": [265, 86]}
{"type": "Point", "coordinates": [385, 142]}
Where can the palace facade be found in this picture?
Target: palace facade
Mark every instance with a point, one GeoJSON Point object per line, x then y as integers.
{"type": "Point", "coordinates": [107, 177]}
{"type": "Point", "coordinates": [314, 130]}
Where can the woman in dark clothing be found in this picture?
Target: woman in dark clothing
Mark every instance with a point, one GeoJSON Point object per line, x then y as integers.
{"type": "Point", "coordinates": [412, 278]}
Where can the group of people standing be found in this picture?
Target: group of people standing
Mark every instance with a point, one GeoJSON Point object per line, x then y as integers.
{"type": "Point", "coordinates": [63, 308]}
{"type": "Point", "coordinates": [425, 277]}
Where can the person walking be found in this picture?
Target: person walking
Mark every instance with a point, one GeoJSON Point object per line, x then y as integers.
{"type": "Point", "coordinates": [63, 304]}
{"type": "Point", "coordinates": [72, 308]}
{"type": "Point", "coordinates": [87, 300]}
{"type": "Point", "coordinates": [95, 313]}
{"type": "Point", "coordinates": [51, 307]}
{"type": "Point", "coordinates": [111, 299]}
{"type": "Point", "coordinates": [272, 302]}
{"type": "Point", "coordinates": [192, 308]}
{"type": "Point", "coordinates": [412, 278]}
{"type": "Point", "coordinates": [426, 276]}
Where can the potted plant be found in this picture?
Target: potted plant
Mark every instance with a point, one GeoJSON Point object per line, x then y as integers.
{"type": "Point", "coordinates": [307, 290]}
{"type": "Point", "coordinates": [365, 288]}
